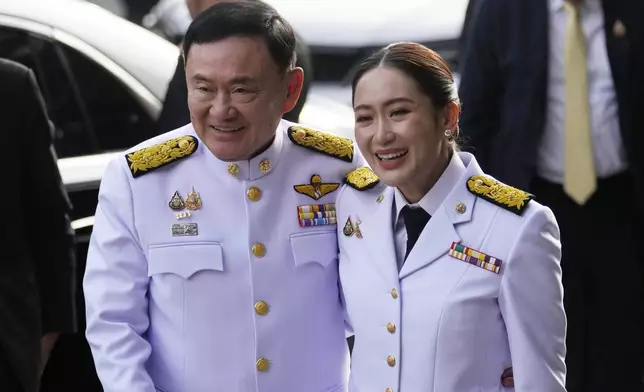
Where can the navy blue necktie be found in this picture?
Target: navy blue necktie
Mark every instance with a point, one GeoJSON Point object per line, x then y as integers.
{"type": "Point", "coordinates": [415, 220]}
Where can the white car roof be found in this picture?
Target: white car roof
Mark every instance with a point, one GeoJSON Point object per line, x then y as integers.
{"type": "Point", "coordinates": [147, 57]}
{"type": "Point", "coordinates": [364, 23]}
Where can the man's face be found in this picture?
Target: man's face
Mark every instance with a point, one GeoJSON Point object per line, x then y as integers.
{"type": "Point", "coordinates": [237, 95]}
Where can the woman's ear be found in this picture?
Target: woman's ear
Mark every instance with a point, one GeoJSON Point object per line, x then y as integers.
{"type": "Point", "coordinates": [451, 113]}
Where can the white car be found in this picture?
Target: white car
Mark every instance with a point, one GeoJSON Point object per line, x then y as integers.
{"type": "Point", "coordinates": [104, 80]}
{"type": "Point", "coordinates": [341, 33]}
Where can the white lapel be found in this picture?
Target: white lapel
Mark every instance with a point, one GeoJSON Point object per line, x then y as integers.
{"type": "Point", "coordinates": [378, 238]}
{"type": "Point", "coordinates": [440, 232]}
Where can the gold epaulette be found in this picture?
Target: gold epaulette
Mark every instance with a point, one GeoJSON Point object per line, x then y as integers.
{"type": "Point", "coordinates": [151, 158]}
{"type": "Point", "coordinates": [362, 179]}
{"type": "Point", "coordinates": [502, 195]}
{"type": "Point", "coordinates": [331, 145]}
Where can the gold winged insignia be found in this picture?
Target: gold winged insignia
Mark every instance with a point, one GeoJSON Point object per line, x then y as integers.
{"type": "Point", "coordinates": [362, 179]}
{"type": "Point", "coordinates": [151, 158]}
{"type": "Point", "coordinates": [502, 195]}
{"type": "Point", "coordinates": [331, 145]}
{"type": "Point", "coordinates": [316, 189]}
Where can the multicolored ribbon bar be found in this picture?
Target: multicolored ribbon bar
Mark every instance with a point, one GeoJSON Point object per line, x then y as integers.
{"type": "Point", "coordinates": [475, 257]}
{"type": "Point", "coordinates": [316, 215]}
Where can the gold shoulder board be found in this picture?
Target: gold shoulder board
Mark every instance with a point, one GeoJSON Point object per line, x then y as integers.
{"type": "Point", "coordinates": [331, 145]}
{"type": "Point", "coordinates": [361, 179]}
{"type": "Point", "coordinates": [151, 158]}
{"type": "Point", "coordinates": [502, 195]}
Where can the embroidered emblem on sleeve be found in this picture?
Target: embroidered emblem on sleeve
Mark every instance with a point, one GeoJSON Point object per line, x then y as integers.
{"type": "Point", "coordinates": [151, 158]}
{"type": "Point", "coordinates": [325, 143]}
{"type": "Point", "coordinates": [361, 179]}
{"type": "Point", "coordinates": [502, 195]}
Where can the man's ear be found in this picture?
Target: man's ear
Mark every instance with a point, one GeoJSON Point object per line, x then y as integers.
{"type": "Point", "coordinates": [295, 81]}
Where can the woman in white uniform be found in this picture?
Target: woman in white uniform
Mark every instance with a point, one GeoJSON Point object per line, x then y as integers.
{"type": "Point", "coordinates": [449, 277]}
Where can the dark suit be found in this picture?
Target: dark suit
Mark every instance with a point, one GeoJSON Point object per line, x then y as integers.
{"type": "Point", "coordinates": [175, 111]}
{"type": "Point", "coordinates": [503, 88]}
{"type": "Point", "coordinates": [37, 263]}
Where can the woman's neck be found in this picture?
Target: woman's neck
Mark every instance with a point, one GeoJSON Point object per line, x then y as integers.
{"type": "Point", "coordinates": [419, 187]}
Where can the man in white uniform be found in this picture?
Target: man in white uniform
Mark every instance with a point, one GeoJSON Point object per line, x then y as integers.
{"type": "Point", "coordinates": [213, 263]}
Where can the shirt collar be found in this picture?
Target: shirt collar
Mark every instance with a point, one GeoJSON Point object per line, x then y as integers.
{"type": "Point", "coordinates": [259, 166]}
{"type": "Point", "coordinates": [434, 198]}
{"type": "Point", "coordinates": [558, 5]}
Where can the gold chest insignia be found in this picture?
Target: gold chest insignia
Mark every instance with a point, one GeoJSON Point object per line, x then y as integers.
{"type": "Point", "coordinates": [193, 201]}
{"type": "Point", "coordinates": [351, 228]}
{"type": "Point", "coordinates": [176, 203]}
{"type": "Point", "coordinates": [151, 158]}
{"type": "Point", "coordinates": [331, 145]}
{"type": "Point", "coordinates": [502, 195]}
{"type": "Point", "coordinates": [316, 189]}
{"type": "Point", "coordinates": [362, 179]}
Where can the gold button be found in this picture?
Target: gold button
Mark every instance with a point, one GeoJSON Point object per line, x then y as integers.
{"type": "Point", "coordinates": [265, 166]}
{"type": "Point", "coordinates": [394, 293]}
{"type": "Point", "coordinates": [183, 143]}
{"type": "Point", "coordinates": [233, 169]}
{"type": "Point", "coordinates": [391, 361]}
{"type": "Point", "coordinates": [389, 390]}
{"type": "Point", "coordinates": [460, 208]}
{"type": "Point", "coordinates": [391, 327]}
{"type": "Point", "coordinates": [380, 197]}
{"type": "Point", "coordinates": [259, 250]}
{"type": "Point", "coordinates": [261, 308]}
{"type": "Point", "coordinates": [262, 364]}
{"type": "Point", "coordinates": [254, 193]}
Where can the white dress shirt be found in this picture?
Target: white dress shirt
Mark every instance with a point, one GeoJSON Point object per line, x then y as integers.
{"type": "Point", "coordinates": [430, 203]}
{"type": "Point", "coordinates": [608, 147]}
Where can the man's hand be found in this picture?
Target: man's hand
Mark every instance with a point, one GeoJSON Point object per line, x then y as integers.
{"type": "Point", "coordinates": [47, 343]}
{"type": "Point", "coordinates": [507, 378]}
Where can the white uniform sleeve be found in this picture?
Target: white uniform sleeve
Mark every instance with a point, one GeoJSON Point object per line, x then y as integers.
{"type": "Point", "coordinates": [531, 302]}
{"type": "Point", "coordinates": [115, 287]}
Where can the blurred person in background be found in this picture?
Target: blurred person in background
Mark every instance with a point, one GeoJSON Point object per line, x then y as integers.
{"type": "Point", "coordinates": [38, 265]}
{"type": "Point", "coordinates": [551, 93]}
{"type": "Point", "coordinates": [175, 111]}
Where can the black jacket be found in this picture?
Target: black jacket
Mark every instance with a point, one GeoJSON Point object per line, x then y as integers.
{"type": "Point", "coordinates": [504, 82]}
{"type": "Point", "coordinates": [37, 263]}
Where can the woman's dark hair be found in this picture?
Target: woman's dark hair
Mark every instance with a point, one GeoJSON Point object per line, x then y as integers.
{"type": "Point", "coordinates": [244, 18]}
{"type": "Point", "coordinates": [425, 66]}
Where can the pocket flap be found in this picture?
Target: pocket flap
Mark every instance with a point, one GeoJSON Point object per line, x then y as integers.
{"type": "Point", "coordinates": [321, 248]}
{"type": "Point", "coordinates": [185, 259]}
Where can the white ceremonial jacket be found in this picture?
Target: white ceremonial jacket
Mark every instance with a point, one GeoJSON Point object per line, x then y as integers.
{"type": "Point", "coordinates": [239, 293]}
{"type": "Point", "coordinates": [447, 322]}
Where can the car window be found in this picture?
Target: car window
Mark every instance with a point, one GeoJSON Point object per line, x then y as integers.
{"type": "Point", "coordinates": [92, 111]}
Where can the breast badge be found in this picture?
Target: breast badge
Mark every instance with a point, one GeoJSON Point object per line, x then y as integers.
{"type": "Point", "coordinates": [316, 189]}
{"type": "Point", "coordinates": [475, 257]}
{"type": "Point", "coordinates": [193, 202]}
{"type": "Point", "coordinates": [316, 215]}
{"type": "Point", "coordinates": [176, 202]}
{"type": "Point", "coordinates": [351, 229]}
{"type": "Point", "coordinates": [184, 229]}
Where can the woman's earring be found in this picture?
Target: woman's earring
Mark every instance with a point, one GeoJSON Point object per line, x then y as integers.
{"type": "Point", "coordinates": [448, 133]}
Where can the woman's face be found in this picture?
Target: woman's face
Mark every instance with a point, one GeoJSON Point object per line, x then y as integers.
{"type": "Point", "coordinates": [399, 132]}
